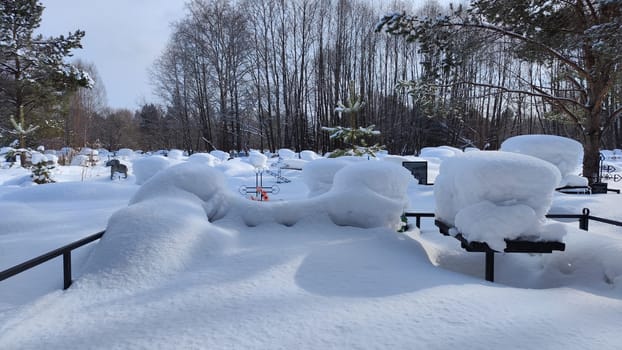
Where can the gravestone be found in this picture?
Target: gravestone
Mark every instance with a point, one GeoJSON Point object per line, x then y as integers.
{"type": "Point", "coordinates": [419, 169]}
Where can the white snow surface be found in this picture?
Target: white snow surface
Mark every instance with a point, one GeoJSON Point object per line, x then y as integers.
{"type": "Point", "coordinates": [145, 168]}
{"type": "Point", "coordinates": [189, 263]}
{"type": "Point", "coordinates": [319, 174]}
{"type": "Point", "coordinates": [309, 155]}
{"type": "Point", "coordinates": [204, 158]}
{"type": "Point", "coordinates": [566, 154]}
{"type": "Point", "coordinates": [175, 154]}
{"type": "Point", "coordinates": [37, 158]}
{"type": "Point", "coordinates": [491, 195]}
{"type": "Point", "coordinates": [286, 153]}
{"type": "Point", "coordinates": [258, 159]}
{"type": "Point", "coordinates": [222, 155]}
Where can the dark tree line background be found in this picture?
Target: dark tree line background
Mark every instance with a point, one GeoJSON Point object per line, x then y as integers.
{"type": "Point", "coordinates": [268, 74]}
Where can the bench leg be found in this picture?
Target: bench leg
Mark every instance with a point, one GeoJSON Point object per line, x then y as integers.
{"type": "Point", "coordinates": [490, 266]}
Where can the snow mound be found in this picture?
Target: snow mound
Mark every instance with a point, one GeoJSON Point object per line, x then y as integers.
{"type": "Point", "coordinates": [295, 163]}
{"type": "Point", "coordinates": [441, 153]}
{"type": "Point", "coordinates": [222, 155]}
{"type": "Point", "coordinates": [87, 151]}
{"type": "Point", "coordinates": [176, 154]}
{"type": "Point", "coordinates": [362, 194]}
{"type": "Point", "coordinates": [564, 153]}
{"type": "Point", "coordinates": [369, 194]}
{"type": "Point", "coordinates": [258, 159]}
{"type": "Point", "coordinates": [204, 158]}
{"type": "Point", "coordinates": [126, 153]}
{"type": "Point", "coordinates": [492, 195]}
{"type": "Point", "coordinates": [172, 219]}
{"type": "Point", "coordinates": [398, 160]}
{"type": "Point", "coordinates": [145, 168]}
{"type": "Point", "coordinates": [189, 181]}
{"type": "Point", "coordinates": [309, 155]}
{"type": "Point", "coordinates": [286, 153]}
{"type": "Point", "coordinates": [235, 167]}
{"type": "Point", "coordinates": [164, 228]}
{"type": "Point", "coordinates": [318, 175]}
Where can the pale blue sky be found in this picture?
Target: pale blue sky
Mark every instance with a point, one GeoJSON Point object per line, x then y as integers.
{"type": "Point", "coordinates": [123, 38]}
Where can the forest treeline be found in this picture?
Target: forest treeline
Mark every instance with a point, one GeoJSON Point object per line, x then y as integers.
{"type": "Point", "coordinates": [268, 74]}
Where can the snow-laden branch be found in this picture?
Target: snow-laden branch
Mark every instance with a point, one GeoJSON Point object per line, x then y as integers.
{"type": "Point", "coordinates": [18, 128]}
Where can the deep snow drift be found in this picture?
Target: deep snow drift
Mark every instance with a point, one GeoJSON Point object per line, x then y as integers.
{"type": "Point", "coordinates": [187, 262]}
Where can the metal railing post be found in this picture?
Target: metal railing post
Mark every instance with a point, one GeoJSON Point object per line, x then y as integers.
{"type": "Point", "coordinates": [490, 266]}
{"type": "Point", "coordinates": [66, 269]}
{"type": "Point", "coordinates": [584, 220]}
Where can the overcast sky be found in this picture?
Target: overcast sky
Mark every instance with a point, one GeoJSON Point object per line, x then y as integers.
{"type": "Point", "coordinates": [123, 38]}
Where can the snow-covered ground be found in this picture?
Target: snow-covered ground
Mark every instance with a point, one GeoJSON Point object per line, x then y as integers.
{"type": "Point", "coordinates": [188, 262]}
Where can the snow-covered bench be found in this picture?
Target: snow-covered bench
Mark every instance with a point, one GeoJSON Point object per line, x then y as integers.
{"type": "Point", "coordinates": [494, 202]}
{"type": "Point", "coordinates": [520, 245]}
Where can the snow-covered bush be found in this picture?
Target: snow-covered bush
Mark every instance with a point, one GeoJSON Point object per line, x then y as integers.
{"type": "Point", "coordinates": [8, 154]}
{"type": "Point", "coordinates": [41, 168]}
{"type": "Point", "coordinates": [492, 195]}
{"type": "Point", "coordinates": [564, 153]}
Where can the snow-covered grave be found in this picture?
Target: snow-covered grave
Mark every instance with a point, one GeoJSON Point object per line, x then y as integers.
{"type": "Point", "coordinates": [259, 192]}
{"type": "Point", "coordinates": [188, 263]}
{"type": "Point", "coordinates": [566, 154]}
{"type": "Point", "coordinates": [495, 201]}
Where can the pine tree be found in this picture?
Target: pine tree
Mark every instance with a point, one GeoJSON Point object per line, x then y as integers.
{"type": "Point", "coordinates": [354, 137]}
{"type": "Point", "coordinates": [41, 173]}
{"type": "Point", "coordinates": [32, 68]}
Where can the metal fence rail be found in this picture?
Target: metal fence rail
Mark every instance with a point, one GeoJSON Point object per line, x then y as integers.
{"type": "Point", "coordinates": [584, 218]}
{"type": "Point", "coordinates": [514, 246]}
{"type": "Point", "coordinates": [65, 251]}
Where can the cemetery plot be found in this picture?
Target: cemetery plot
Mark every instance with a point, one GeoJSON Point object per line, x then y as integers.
{"type": "Point", "coordinates": [259, 192]}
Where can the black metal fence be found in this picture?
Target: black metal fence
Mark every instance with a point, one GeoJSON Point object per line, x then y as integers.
{"type": "Point", "coordinates": [65, 251]}
{"type": "Point", "coordinates": [583, 218]}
